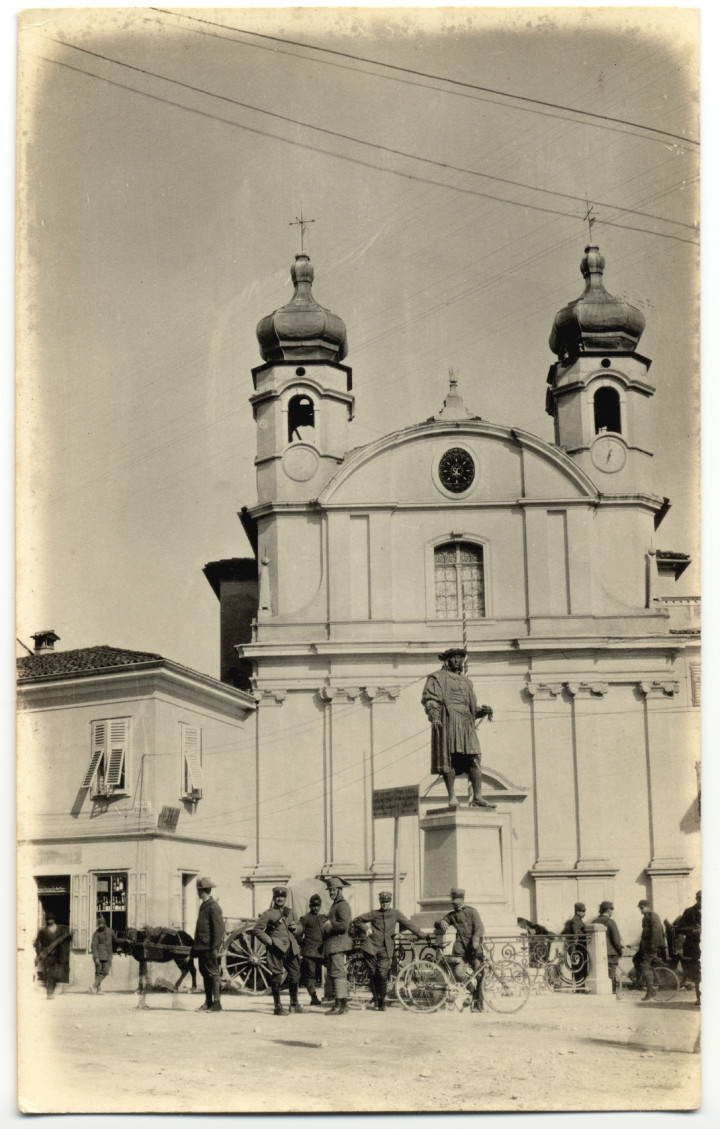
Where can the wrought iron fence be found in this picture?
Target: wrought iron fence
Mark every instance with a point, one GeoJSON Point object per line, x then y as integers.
{"type": "Point", "coordinates": [554, 963]}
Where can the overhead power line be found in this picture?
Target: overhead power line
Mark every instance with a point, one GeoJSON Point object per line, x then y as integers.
{"type": "Point", "coordinates": [434, 77]}
{"type": "Point", "coordinates": [354, 140]}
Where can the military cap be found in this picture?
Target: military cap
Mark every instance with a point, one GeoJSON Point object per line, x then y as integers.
{"type": "Point", "coordinates": [205, 884]}
{"type": "Point", "coordinates": [316, 900]}
{"type": "Point", "coordinates": [49, 917]}
{"type": "Point", "coordinates": [334, 883]}
{"type": "Point", "coordinates": [280, 890]}
{"type": "Point", "coordinates": [604, 906]}
{"type": "Point", "coordinates": [457, 893]}
{"type": "Point", "coordinates": [579, 907]}
{"type": "Point", "coordinates": [452, 651]}
{"type": "Point", "coordinates": [385, 896]}
{"type": "Point", "coordinates": [643, 902]}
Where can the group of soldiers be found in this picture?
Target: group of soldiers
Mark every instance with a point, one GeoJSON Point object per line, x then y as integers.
{"type": "Point", "coordinates": [298, 949]}
{"type": "Point", "coordinates": [686, 933]}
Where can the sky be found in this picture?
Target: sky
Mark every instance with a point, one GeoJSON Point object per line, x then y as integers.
{"type": "Point", "coordinates": [447, 158]}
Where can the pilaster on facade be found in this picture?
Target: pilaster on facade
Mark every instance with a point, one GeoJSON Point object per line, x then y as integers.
{"type": "Point", "coordinates": [270, 696]}
{"type": "Point", "coordinates": [659, 689]}
{"type": "Point", "coordinates": [587, 689]}
{"type": "Point", "coordinates": [543, 691]}
{"type": "Point", "coordinates": [364, 694]}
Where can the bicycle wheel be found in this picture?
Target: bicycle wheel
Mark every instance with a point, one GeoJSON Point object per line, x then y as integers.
{"type": "Point", "coordinates": [358, 978]}
{"type": "Point", "coordinates": [422, 986]}
{"type": "Point", "coordinates": [666, 984]}
{"type": "Point", "coordinates": [506, 986]}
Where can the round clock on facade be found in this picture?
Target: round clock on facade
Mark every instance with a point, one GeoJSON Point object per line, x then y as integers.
{"type": "Point", "coordinates": [608, 454]}
{"type": "Point", "coordinates": [456, 470]}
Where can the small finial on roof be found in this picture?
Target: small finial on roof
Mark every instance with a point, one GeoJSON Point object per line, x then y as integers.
{"type": "Point", "coordinates": [454, 407]}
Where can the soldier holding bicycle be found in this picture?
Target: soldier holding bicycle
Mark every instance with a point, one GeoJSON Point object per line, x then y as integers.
{"type": "Point", "coordinates": [651, 943]}
{"type": "Point", "coordinates": [379, 946]}
{"type": "Point", "coordinates": [468, 940]}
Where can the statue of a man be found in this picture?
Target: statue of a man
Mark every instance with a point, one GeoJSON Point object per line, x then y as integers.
{"type": "Point", "coordinates": [450, 703]}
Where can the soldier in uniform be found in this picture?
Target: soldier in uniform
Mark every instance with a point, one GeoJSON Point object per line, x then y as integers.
{"type": "Point", "coordinates": [379, 946]}
{"type": "Point", "coordinates": [337, 943]}
{"type": "Point", "coordinates": [209, 935]}
{"type": "Point", "coordinates": [101, 947]}
{"type": "Point", "coordinates": [310, 935]}
{"type": "Point", "coordinates": [468, 940]}
{"type": "Point", "coordinates": [451, 706]}
{"type": "Point", "coordinates": [575, 944]}
{"type": "Point", "coordinates": [614, 943]}
{"type": "Point", "coordinates": [652, 941]}
{"type": "Point", "coordinates": [688, 926]}
{"type": "Point", "coordinates": [52, 946]}
{"type": "Point", "coordinates": [276, 929]}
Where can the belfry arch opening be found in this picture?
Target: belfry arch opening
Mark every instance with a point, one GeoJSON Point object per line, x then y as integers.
{"type": "Point", "coordinates": [606, 405]}
{"type": "Point", "coordinates": [301, 418]}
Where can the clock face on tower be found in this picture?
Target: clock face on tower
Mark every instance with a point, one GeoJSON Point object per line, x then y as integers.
{"type": "Point", "coordinates": [608, 454]}
{"type": "Point", "coordinates": [456, 470]}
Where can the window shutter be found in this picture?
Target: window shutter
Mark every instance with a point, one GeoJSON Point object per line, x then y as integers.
{"type": "Point", "coordinates": [137, 900]}
{"type": "Point", "coordinates": [99, 733]}
{"type": "Point", "coordinates": [176, 914]}
{"type": "Point", "coordinates": [116, 759]}
{"type": "Point", "coordinates": [695, 683]}
{"type": "Point", "coordinates": [79, 910]}
{"type": "Point", "coordinates": [192, 758]}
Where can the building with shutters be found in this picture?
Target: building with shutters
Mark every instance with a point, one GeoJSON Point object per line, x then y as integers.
{"type": "Point", "coordinates": [369, 561]}
{"type": "Point", "coordinates": [136, 775]}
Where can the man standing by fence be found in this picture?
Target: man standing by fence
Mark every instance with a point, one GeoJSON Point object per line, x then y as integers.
{"type": "Point", "coordinates": [614, 943]}
{"type": "Point", "coordinates": [651, 943]}
{"type": "Point", "coordinates": [380, 945]}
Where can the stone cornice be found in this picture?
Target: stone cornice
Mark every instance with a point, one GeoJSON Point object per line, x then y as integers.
{"type": "Point", "coordinates": [135, 682]}
{"type": "Point", "coordinates": [131, 836]}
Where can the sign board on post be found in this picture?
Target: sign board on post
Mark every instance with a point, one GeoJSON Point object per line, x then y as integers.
{"type": "Point", "coordinates": [390, 803]}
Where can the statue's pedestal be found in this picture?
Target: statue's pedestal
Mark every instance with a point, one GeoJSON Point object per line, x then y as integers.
{"type": "Point", "coordinates": [469, 848]}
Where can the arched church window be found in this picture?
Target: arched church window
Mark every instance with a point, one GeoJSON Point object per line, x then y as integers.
{"type": "Point", "coordinates": [301, 418]}
{"type": "Point", "coordinates": [607, 410]}
{"type": "Point", "coordinates": [459, 580]}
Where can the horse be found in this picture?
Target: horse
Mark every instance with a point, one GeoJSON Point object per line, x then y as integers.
{"type": "Point", "coordinates": [158, 945]}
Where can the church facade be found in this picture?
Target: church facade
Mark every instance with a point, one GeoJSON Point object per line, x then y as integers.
{"type": "Point", "coordinates": [540, 556]}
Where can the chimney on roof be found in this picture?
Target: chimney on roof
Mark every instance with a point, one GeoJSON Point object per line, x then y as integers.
{"type": "Point", "coordinates": [45, 641]}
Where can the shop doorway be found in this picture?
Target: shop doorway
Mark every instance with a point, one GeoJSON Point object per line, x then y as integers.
{"type": "Point", "coordinates": [53, 897]}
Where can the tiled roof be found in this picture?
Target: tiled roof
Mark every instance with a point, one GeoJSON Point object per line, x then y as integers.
{"type": "Point", "coordinates": [86, 659]}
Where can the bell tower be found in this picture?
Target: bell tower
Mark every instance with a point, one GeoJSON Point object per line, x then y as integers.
{"type": "Point", "coordinates": [599, 387]}
{"type": "Point", "coordinates": [303, 399]}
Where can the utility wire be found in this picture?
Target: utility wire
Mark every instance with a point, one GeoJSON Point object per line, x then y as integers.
{"type": "Point", "coordinates": [434, 77]}
{"type": "Point", "coordinates": [330, 152]}
{"type": "Point", "coordinates": [375, 145]}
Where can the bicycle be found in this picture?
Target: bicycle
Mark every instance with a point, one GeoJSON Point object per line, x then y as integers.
{"type": "Point", "coordinates": [666, 983]}
{"type": "Point", "coordinates": [360, 992]}
{"type": "Point", "coordinates": [431, 983]}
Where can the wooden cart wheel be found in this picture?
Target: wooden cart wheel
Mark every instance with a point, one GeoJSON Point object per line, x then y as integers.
{"type": "Point", "coordinates": [244, 963]}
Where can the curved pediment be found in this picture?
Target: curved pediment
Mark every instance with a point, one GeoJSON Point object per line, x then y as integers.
{"type": "Point", "coordinates": [495, 787]}
{"type": "Point", "coordinates": [504, 464]}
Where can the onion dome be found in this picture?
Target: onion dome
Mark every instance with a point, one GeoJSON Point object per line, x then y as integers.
{"type": "Point", "coordinates": [596, 321]}
{"type": "Point", "coordinates": [302, 330]}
